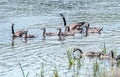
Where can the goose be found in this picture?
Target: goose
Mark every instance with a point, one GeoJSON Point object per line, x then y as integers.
{"type": "Point", "coordinates": [114, 59]}
{"type": "Point", "coordinates": [90, 53]}
{"type": "Point", "coordinates": [47, 33]}
{"type": "Point", "coordinates": [111, 57]}
{"type": "Point", "coordinates": [17, 33]}
{"type": "Point", "coordinates": [97, 28]}
{"type": "Point", "coordinates": [107, 56]}
{"type": "Point", "coordinates": [93, 30]}
{"type": "Point", "coordinates": [75, 26]}
{"type": "Point", "coordinates": [26, 35]}
{"type": "Point", "coordinates": [60, 33]}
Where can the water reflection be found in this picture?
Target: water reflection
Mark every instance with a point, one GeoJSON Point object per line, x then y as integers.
{"type": "Point", "coordinates": [43, 37]}
{"type": "Point", "coordinates": [20, 39]}
{"type": "Point", "coordinates": [96, 69]}
{"type": "Point", "coordinates": [60, 38]}
{"type": "Point", "coordinates": [13, 41]}
{"type": "Point", "coordinates": [26, 14]}
{"type": "Point", "coordinates": [26, 39]}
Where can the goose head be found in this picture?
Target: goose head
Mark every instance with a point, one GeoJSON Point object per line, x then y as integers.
{"type": "Point", "coordinates": [77, 49]}
{"type": "Point", "coordinates": [12, 24]}
{"type": "Point", "coordinates": [43, 28]}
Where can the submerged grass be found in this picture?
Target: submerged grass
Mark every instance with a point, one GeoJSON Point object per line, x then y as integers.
{"type": "Point", "coordinates": [95, 69]}
{"type": "Point", "coordinates": [55, 73]}
{"type": "Point", "coordinates": [70, 58]}
{"type": "Point", "coordinates": [42, 71]}
{"type": "Point", "coordinates": [76, 64]}
{"type": "Point", "coordinates": [79, 63]}
{"type": "Point", "coordinates": [23, 71]}
{"type": "Point", "coordinates": [104, 49]}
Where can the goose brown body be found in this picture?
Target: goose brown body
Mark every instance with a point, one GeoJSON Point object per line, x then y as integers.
{"type": "Point", "coordinates": [73, 31]}
{"type": "Point", "coordinates": [26, 35]}
{"type": "Point", "coordinates": [93, 30]}
{"type": "Point", "coordinates": [107, 56]}
{"type": "Point", "coordinates": [90, 53]}
{"type": "Point", "coordinates": [48, 33]}
{"type": "Point", "coordinates": [60, 33]}
{"type": "Point", "coordinates": [73, 26]}
{"type": "Point", "coordinates": [17, 33]}
{"type": "Point", "coordinates": [111, 57]}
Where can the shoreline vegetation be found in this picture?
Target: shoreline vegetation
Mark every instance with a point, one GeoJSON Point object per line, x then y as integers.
{"type": "Point", "coordinates": [75, 63]}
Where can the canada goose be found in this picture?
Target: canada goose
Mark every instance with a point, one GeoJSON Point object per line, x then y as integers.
{"type": "Point", "coordinates": [18, 33]}
{"type": "Point", "coordinates": [60, 33]}
{"type": "Point", "coordinates": [115, 60]}
{"type": "Point", "coordinates": [97, 28]}
{"type": "Point", "coordinates": [90, 53]}
{"type": "Point", "coordinates": [26, 35]}
{"type": "Point", "coordinates": [73, 26]}
{"type": "Point", "coordinates": [107, 56]}
{"type": "Point", "coordinates": [93, 30]}
{"type": "Point", "coordinates": [48, 33]}
{"type": "Point", "coordinates": [111, 57]}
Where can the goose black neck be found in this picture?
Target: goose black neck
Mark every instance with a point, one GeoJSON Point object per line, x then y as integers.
{"type": "Point", "coordinates": [80, 51]}
{"type": "Point", "coordinates": [86, 30]}
{"type": "Point", "coordinates": [13, 29]}
{"type": "Point", "coordinates": [44, 30]}
{"type": "Point", "coordinates": [25, 34]}
{"type": "Point", "coordinates": [88, 25]}
{"type": "Point", "coordinates": [59, 32]}
{"type": "Point", "coordinates": [112, 54]}
{"type": "Point", "coordinates": [68, 28]}
{"type": "Point", "coordinates": [64, 20]}
{"type": "Point", "coordinates": [77, 49]}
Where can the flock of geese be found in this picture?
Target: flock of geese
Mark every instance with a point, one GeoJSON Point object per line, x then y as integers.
{"type": "Point", "coordinates": [101, 55]}
{"type": "Point", "coordinates": [80, 27]}
{"type": "Point", "coordinates": [69, 30]}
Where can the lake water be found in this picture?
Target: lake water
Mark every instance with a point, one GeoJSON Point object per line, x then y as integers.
{"type": "Point", "coordinates": [32, 15]}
